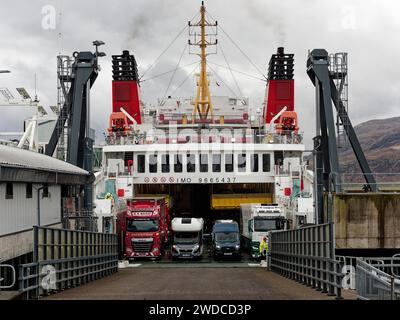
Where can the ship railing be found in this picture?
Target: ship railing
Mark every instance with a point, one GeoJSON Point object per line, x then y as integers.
{"type": "Point", "coordinates": [239, 118]}
{"type": "Point", "coordinates": [286, 171]}
{"type": "Point", "coordinates": [355, 182]}
{"type": "Point", "coordinates": [379, 280]}
{"type": "Point", "coordinates": [210, 136]}
{"type": "Point", "coordinates": [284, 137]}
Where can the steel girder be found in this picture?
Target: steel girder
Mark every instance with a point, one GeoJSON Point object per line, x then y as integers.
{"type": "Point", "coordinates": [326, 161]}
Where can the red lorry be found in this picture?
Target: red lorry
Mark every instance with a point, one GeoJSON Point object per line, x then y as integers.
{"type": "Point", "coordinates": [143, 228]}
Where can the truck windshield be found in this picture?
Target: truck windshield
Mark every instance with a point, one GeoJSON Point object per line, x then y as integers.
{"type": "Point", "coordinates": [226, 237]}
{"type": "Point", "coordinates": [265, 224]}
{"type": "Point", "coordinates": [141, 225]}
{"type": "Point", "coordinates": [186, 237]}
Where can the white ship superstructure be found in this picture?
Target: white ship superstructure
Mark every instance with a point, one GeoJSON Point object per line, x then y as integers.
{"type": "Point", "coordinates": [207, 154]}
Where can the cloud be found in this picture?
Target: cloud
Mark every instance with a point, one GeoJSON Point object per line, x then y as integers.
{"type": "Point", "coordinates": [364, 29]}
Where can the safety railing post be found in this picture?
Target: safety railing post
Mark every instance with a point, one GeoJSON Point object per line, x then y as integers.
{"type": "Point", "coordinates": [392, 287]}
{"type": "Point", "coordinates": [22, 281]}
{"type": "Point", "coordinates": [331, 255]}
{"type": "Point", "coordinates": [306, 255]}
{"type": "Point", "coordinates": [313, 245]}
{"type": "Point", "coordinates": [289, 264]}
{"type": "Point", "coordinates": [76, 256]}
{"type": "Point", "coordinates": [325, 264]}
{"type": "Point", "coordinates": [318, 261]}
{"type": "Point", "coordinates": [290, 251]}
{"type": "Point", "coordinates": [331, 288]}
{"type": "Point", "coordinates": [302, 260]}
{"type": "Point", "coordinates": [338, 281]}
{"type": "Point", "coordinates": [308, 236]}
{"type": "Point", "coordinates": [296, 259]}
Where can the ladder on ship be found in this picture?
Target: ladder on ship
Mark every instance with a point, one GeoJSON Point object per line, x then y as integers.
{"type": "Point", "coordinates": [339, 74]}
{"type": "Point", "coordinates": [64, 70]}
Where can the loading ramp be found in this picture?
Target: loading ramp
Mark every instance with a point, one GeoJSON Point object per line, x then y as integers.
{"type": "Point", "coordinates": [192, 284]}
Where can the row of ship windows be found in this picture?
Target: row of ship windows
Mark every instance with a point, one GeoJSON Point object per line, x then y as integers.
{"type": "Point", "coordinates": [204, 163]}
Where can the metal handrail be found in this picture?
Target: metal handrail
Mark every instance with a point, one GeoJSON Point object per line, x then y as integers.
{"type": "Point", "coordinates": [75, 256]}
{"type": "Point", "coordinates": [396, 256]}
{"type": "Point", "coordinates": [385, 283]}
{"type": "Point", "coordinates": [385, 181]}
{"type": "Point", "coordinates": [14, 277]}
{"type": "Point", "coordinates": [247, 136]}
{"type": "Point", "coordinates": [307, 255]}
{"type": "Point", "coordinates": [106, 264]}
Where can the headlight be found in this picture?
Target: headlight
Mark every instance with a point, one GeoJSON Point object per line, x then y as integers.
{"type": "Point", "coordinates": [196, 248]}
{"type": "Point", "coordinates": [175, 248]}
{"type": "Point", "coordinates": [217, 247]}
{"type": "Point", "coordinates": [156, 250]}
{"type": "Point", "coordinates": [237, 247]}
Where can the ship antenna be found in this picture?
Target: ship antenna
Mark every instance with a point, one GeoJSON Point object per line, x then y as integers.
{"type": "Point", "coordinates": [60, 34]}
{"type": "Point", "coordinates": [202, 103]}
{"type": "Point", "coordinates": [35, 84]}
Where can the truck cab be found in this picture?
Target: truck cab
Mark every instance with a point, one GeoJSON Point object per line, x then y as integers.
{"type": "Point", "coordinates": [256, 221]}
{"type": "Point", "coordinates": [187, 238]}
{"type": "Point", "coordinates": [226, 239]}
{"type": "Point", "coordinates": [143, 228]}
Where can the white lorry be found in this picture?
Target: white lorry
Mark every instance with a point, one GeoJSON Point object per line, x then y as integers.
{"type": "Point", "coordinates": [256, 220]}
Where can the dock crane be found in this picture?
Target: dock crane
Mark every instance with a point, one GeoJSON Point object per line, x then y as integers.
{"type": "Point", "coordinates": [75, 112]}
{"type": "Point", "coordinates": [326, 161]}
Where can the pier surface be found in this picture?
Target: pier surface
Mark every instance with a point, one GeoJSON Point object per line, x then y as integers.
{"type": "Point", "coordinates": [194, 282]}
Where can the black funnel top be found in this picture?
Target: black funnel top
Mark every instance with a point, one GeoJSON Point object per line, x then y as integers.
{"type": "Point", "coordinates": [281, 66]}
{"type": "Point", "coordinates": [124, 67]}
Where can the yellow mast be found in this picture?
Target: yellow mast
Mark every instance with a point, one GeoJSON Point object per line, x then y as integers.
{"type": "Point", "coordinates": [202, 103]}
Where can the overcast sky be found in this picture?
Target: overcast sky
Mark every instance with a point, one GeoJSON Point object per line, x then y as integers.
{"type": "Point", "coordinates": [368, 30]}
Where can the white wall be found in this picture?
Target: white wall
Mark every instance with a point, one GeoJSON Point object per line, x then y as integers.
{"type": "Point", "coordinates": [17, 244]}
{"type": "Point", "coordinates": [19, 214]}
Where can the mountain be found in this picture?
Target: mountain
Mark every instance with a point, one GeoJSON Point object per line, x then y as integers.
{"type": "Point", "coordinates": [380, 140]}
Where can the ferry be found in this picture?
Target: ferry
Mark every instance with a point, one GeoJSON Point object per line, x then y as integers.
{"type": "Point", "coordinates": [206, 154]}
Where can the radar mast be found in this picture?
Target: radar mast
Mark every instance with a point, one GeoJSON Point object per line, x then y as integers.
{"type": "Point", "coordinates": [202, 102]}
